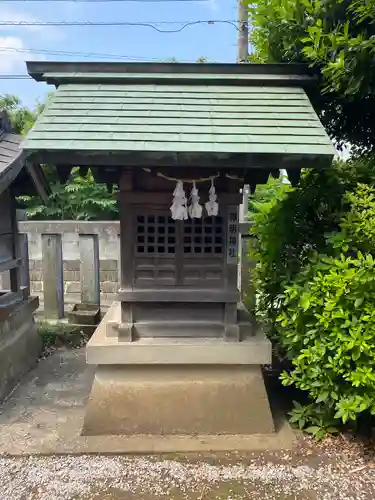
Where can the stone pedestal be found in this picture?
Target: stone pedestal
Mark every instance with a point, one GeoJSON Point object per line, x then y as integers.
{"type": "Point", "coordinates": [20, 344]}
{"type": "Point", "coordinates": [177, 386]}
{"type": "Point", "coordinates": [178, 400]}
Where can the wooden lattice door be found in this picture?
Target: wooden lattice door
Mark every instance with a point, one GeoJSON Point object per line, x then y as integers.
{"type": "Point", "coordinates": [178, 253]}
{"type": "Point", "coordinates": [202, 252]}
{"type": "Point", "coordinates": [155, 250]}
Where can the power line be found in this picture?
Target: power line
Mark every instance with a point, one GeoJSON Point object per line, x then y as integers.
{"type": "Point", "coordinates": [54, 23]}
{"type": "Point", "coordinates": [107, 1]}
{"type": "Point", "coordinates": [81, 54]}
{"type": "Point", "coordinates": [118, 23]}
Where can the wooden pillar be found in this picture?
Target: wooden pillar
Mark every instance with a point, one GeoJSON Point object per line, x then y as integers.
{"type": "Point", "coordinates": [127, 242]}
{"type": "Point", "coordinates": [53, 281]}
{"type": "Point", "coordinates": [231, 328]}
{"type": "Point", "coordinates": [90, 276]}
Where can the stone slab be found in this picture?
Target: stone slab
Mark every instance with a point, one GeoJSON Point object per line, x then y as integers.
{"type": "Point", "coordinates": [175, 400]}
{"type": "Point", "coordinates": [103, 349]}
{"type": "Point", "coordinates": [44, 415]}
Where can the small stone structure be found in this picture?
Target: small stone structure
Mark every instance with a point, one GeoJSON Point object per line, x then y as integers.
{"type": "Point", "coordinates": [178, 353]}
{"type": "Point", "coordinates": [19, 342]}
{"type": "Point", "coordinates": [107, 235]}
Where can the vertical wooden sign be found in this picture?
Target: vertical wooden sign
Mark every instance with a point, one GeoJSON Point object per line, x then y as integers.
{"type": "Point", "coordinates": [232, 235]}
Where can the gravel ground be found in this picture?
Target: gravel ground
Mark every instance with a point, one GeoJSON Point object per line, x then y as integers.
{"type": "Point", "coordinates": [341, 468]}
{"type": "Point", "coordinates": [310, 473]}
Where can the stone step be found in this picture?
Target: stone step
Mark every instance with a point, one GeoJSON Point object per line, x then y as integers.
{"type": "Point", "coordinates": [185, 329]}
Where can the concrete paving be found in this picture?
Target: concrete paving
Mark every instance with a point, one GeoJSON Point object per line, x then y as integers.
{"type": "Point", "coordinates": [44, 415]}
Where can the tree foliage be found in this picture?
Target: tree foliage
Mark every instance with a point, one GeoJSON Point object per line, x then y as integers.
{"type": "Point", "coordinates": [22, 117]}
{"type": "Point", "coordinates": [315, 276]}
{"type": "Point", "coordinates": [81, 198]}
{"type": "Point", "coordinates": [337, 39]}
{"type": "Point", "coordinates": [265, 195]}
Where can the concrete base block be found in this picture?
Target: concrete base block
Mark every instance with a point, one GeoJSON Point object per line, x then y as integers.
{"type": "Point", "coordinates": [178, 400]}
{"type": "Point", "coordinates": [20, 345]}
{"type": "Point", "coordinates": [106, 348]}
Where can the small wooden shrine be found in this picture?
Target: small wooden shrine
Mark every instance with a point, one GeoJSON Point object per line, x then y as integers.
{"type": "Point", "coordinates": [19, 342]}
{"type": "Point", "coordinates": [178, 353]}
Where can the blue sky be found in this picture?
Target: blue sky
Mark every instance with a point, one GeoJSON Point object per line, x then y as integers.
{"type": "Point", "coordinates": [215, 42]}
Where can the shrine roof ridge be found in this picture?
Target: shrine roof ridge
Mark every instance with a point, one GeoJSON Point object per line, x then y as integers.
{"type": "Point", "coordinates": [58, 72]}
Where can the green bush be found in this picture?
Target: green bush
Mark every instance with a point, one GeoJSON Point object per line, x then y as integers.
{"type": "Point", "coordinates": [315, 253]}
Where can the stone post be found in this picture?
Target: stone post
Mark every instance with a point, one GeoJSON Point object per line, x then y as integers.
{"type": "Point", "coordinates": [90, 277]}
{"type": "Point", "coordinates": [53, 282]}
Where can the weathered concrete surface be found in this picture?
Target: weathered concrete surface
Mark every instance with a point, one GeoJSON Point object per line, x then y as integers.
{"type": "Point", "coordinates": [53, 282]}
{"type": "Point", "coordinates": [45, 416]}
{"type": "Point", "coordinates": [170, 400]}
{"type": "Point", "coordinates": [20, 345]}
{"type": "Point", "coordinates": [172, 386]}
{"type": "Point", "coordinates": [89, 269]}
{"type": "Point", "coordinates": [105, 348]}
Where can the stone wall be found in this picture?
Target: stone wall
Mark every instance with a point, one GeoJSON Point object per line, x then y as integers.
{"type": "Point", "coordinates": [108, 238]}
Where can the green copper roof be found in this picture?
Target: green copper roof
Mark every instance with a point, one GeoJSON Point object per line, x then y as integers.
{"type": "Point", "coordinates": [183, 113]}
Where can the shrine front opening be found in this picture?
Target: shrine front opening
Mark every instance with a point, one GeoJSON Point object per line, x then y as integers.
{"type": "Point", "coordinates": [178, 353]}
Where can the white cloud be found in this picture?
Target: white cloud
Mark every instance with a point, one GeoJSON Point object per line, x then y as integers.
{"type": "Point", "coordinates": [13, 54]}
{"type": "Point", "coordinates": [15, 41]}
{"type": "Point", "coordinates": [43, 32]}
{"type": "Point", "coordinates": [10, 57]}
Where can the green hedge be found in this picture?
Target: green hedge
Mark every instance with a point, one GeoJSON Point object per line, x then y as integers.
{"type": "Point", "coordinates": [315, 254]}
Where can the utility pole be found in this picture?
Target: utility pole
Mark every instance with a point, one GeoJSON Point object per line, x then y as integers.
{"type": "Point", "coordinates": [243, 32]}
{"type": "Point", "coordinates": [243, 58]}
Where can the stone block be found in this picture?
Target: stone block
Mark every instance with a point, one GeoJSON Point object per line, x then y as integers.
{"type": "Point", "coordinates": [72, 298]}
{"type": "Point", "coordinates": [36, 275]}
{"type": "Point", "coordinates": [108, 287]}
{"type": "Point", "coordinates": [72, 276]}
{"type": "Point", "coordinates": [71, 265]}
{"type": "Point", "coordinates": [109, 276]}
{"type": "Point", "coordinates": [178, 400]}
{"type": "Point", "coordinates": [108, 265]}
{"type": "Point", "coordinates": [36, 286]}
{"type": "Point", "coordinates": [72, 287]}
{"type": "Point", "coordinates": [36, 265]}
{"type": "Point", "coordinates": [84, 314]}
{"type": "Point", "coordinates": [108, 297]}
